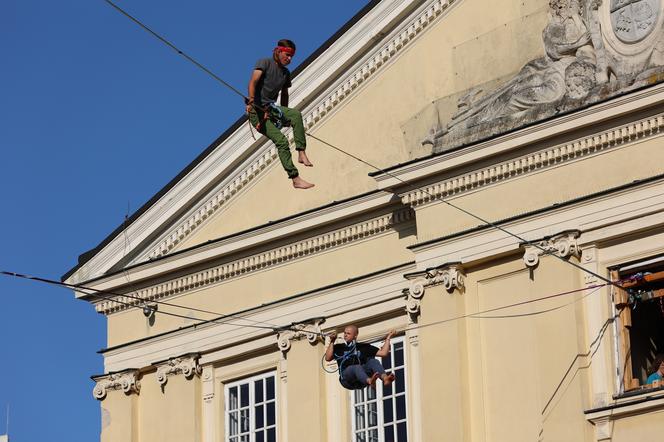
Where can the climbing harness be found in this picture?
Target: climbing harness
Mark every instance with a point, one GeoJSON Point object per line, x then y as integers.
{"type": "Point", "coordinates": [343, 359]}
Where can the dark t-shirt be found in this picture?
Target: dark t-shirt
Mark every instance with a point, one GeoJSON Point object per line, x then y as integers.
{"type": "Point", "coordinates": [360, 353]}
{"type": "Point", "coordinates": [274, 78]}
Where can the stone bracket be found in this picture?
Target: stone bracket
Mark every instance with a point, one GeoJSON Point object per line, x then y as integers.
{"type": "Point", "coordinates": [126, 380]}
{"type": "Point", "coordinates": [450, 275]}
{"type": "Point", "coordinates": [308, 329]}
{"type": "Point", "coordinates": [563, 244]}
{"type": "Point", "coordinates": [185, 364]}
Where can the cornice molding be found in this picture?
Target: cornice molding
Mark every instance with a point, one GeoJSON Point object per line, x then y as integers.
{"type": "Point", "coordinates": [608, 217]}
{"type": "Point", "coordinates": [373, 295]}
{"type": "Point", "coordinates": [550, 157]}
{"type": "Point", "coordinates": [377, 28]}
{"type": "Point", "coordinates": [260, 261]}
{"type": "Point", "coordinates": [186, 365]}
{"type": "Point", "coordinates": [563, 245]}
{"type": "Point", "coordinates": [127, 381]}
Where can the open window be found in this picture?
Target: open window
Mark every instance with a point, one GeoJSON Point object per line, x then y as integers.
{"type": "Point", "coordinates": [640, 323]}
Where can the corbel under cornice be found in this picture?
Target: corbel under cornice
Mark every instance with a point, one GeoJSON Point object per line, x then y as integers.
{"type": "Point", "coordinates": [125, 380]}
{"type": "Point", "coordinates": [563, 244]}
{"type": "Point", "coordinates": [450, 275]}
{"type": "Point", "coordinates": [309, 330]}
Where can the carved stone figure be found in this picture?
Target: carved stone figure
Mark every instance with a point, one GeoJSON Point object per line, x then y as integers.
{"type": "Point", "coordinates": [594, 50]}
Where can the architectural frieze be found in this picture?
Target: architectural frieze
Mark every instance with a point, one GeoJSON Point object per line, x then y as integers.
{"type": "Point", "coordinates": [309, 330]}
{"type": "Point", "coordinates": [300, 249]}
{"type": "Point", "coordinates": [553, 156]}
{"type": "Point", "coordinates": [563, 245]}
{"type": "Point", "coordinates": [370, 65]}
{"type": "Point", "coordinates": [450, 275]}
{"type": "Point", "coordinates": [127, 381]}
{"type": "Point", "coordinates": [186, 365]}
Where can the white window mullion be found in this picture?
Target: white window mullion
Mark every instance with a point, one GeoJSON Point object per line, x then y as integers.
{"type": "Point", "coordinates": [364, 430]}
{"type": "Point", "coordinates": [247, 408]}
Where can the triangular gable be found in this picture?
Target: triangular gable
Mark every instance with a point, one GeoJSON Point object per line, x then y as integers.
{"type": "Point", "coordinates": [363, 47]}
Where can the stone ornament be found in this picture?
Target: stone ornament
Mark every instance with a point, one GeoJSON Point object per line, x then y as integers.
{"type": "Point", "coordinates": [450, 275]}
{"type": "Point", "coordinates": [633, 20]}
{"type": "Point", "coordinates": [186, 365]}
{"type": "Point", "coordinates": [311, 331]}
{"type": "Point", "coordinates": [127, 381]}
{"type": "Point", "coordinates": [594, 50]}
{"type": "Point", "coordinates": [563, 245]}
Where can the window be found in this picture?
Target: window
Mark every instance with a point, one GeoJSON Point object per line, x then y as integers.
{"type": "Point", "coordinates": [380, 415]}
{"type": "Point", "coordinates": [640, 323]}
{"type": "Point", "coordinates": [251, 414]}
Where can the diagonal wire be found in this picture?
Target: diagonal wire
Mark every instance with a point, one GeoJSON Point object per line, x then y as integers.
{"type": "Point", "coordinates": [479, 218]}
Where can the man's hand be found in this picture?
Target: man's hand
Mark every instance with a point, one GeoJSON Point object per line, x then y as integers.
{"type": "Point", "coordinates": [250, 106]}
{"type": "Point", "coordinates": [332, 335]}
{"type": "Point", "coordinates": [390, 334]}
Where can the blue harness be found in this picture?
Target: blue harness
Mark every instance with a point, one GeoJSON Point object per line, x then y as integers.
{"type": "Point", "coordinates": [276, 115]}
{"type": "Point", "coordinates": [352, 352]}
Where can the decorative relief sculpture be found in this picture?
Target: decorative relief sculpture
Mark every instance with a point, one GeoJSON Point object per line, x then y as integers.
{"type": "Point", "coordinates": [563, 244]}
{"type": "Point", "coordinates": [449, 275]}
{"type": "Point", "coordinates": [310, 330]}
{"type": "Point", "coordinates": [594, 49]}
{"type": "Point", "coordinates": [127, 381]}
{"type": "Point", "coordinates": [186, 365]}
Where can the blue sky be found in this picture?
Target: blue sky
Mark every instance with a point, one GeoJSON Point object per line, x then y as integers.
{"type": "Point", "coordinates": [96, 116]}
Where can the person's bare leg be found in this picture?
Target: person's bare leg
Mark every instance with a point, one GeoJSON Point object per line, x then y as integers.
{"type": "Point", "coordinates": [303, 159]}
{"type": "Point", "coordinates": [299, 183]}
{"type": "Point", "coordinates": [372, 380]}
{"type": "Point", "coordinates": [387, 378]}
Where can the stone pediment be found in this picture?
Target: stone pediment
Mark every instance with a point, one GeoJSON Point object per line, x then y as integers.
{"type": "Point", "coordinates": [237, 161]}
{"type": "Point", "coordinates": [594, 50]}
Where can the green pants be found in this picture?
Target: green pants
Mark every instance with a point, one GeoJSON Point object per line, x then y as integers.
{"type": "Point", "coordinates": [291, 117]}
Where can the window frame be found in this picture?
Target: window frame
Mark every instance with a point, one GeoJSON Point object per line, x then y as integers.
{"type": "Point", "coordinates": [379, 399]}
{"type": "Point", "coordinates": [251, 407]}
{"type": "Point", "coordinates": [627, 383]}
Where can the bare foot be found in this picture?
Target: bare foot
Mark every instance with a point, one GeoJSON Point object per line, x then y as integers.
{"type": "Point", "coordinates": [299, 183]}
{"type": "Point", "coordinates": [303, 159]}
{"type": "Point", "coordinates": [372, 380]}
{"type": "Point", "coordinates": [388, 378]}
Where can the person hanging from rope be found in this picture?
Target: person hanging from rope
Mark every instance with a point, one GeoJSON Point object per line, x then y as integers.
{"type": "Point", "coordinates": [269, 77]}
{"type": "Point", "coordinates": [356, 360]}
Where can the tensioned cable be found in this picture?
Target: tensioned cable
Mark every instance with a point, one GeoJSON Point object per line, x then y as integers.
{"type": "Point", "coordinates": [101, 293]}
{"type": "Point", "coordinates": [479, 218]}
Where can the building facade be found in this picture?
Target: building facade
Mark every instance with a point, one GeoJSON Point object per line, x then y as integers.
{"type": "Point", "coordinates": [510, 228]}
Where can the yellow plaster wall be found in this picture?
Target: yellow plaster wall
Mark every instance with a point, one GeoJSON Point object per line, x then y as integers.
{"type": "Point", "coordinates": [119, 417]}
{"type": "Point", "coordinates": [496, 375]}
{"type": "Point", "coordinates": [258, 287]}
{"type": "Point", "coordinates": [473, 44]}
{"type": "Point", "coordinates": [171, 415]}
{"type": "Point", "coordinates": [306, 393]}
{"type": "Point", "coordinates": [644, 427]}
{"type": "Point", "coordinates": [544, 188]}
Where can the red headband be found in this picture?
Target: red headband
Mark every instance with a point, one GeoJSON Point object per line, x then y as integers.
{"type": "Point", "coordinates": [289, 51]}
